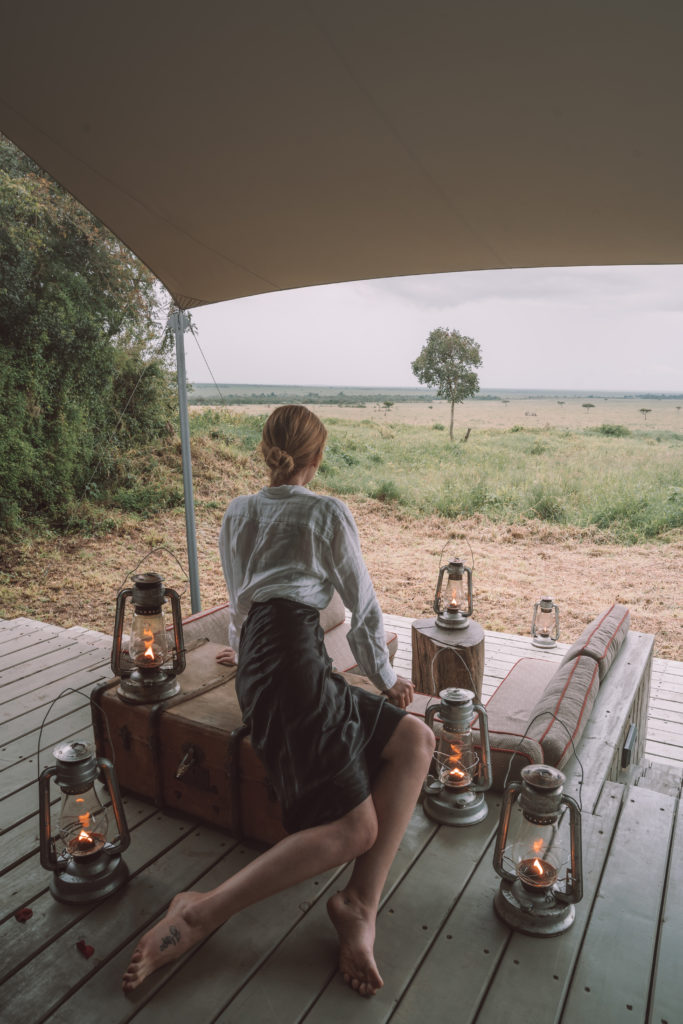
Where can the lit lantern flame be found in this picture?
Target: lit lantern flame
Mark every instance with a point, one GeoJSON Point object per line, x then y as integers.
{"type": "Point", "coordinates": [148, 640]}
{"type": "Point", "coordinates": [538, 866]}
{"type": "Point", "coordinates": [83, 837]}
{"type": "Point", "coordinates": [456, 771]}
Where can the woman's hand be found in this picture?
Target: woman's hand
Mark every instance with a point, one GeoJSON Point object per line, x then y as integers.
{"type": "Point", "coordinates": [226, 656]}
{"type": "Point", "coordinates": [401, 693]}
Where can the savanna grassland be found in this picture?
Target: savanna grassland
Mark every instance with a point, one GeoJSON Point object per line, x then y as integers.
{"type": "Point", "coordinates": [546, 495]}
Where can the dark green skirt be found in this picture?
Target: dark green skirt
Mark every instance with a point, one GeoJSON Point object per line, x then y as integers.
{"type": "Point", "coordinates": [320, 740]}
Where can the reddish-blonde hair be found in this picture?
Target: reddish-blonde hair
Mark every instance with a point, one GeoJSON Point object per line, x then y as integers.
{"type": "Point", "coordinates": [293, 438]}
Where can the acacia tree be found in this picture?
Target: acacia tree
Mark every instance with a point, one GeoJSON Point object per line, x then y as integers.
{"type": "Point", "coordinates": [447, 362]}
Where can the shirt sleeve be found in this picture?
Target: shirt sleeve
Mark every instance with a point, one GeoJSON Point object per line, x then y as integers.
{"type": "Point", "coordinates": [235, 620]}
{"type": "Point", "coordinates": [351, 578]}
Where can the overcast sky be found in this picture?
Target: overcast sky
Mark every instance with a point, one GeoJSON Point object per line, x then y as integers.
{"type": "Point", "coordinates": [583, 328]}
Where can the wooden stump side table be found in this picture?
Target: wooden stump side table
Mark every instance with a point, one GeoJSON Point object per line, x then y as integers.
{"type": "Point", "coordinates": [460, 664]}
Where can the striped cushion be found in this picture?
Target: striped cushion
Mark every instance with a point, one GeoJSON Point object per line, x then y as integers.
{"type": "Point", "coordinates": [602, 638]}
{"type": "Point", "coordinates": [559, 717]}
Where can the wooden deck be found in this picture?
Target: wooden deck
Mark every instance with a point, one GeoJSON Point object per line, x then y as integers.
{"type": "Point", "coordinates": [442, 951]}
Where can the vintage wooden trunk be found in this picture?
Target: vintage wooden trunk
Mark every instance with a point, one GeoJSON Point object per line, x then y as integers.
{"type": "Point", "coordinates": [192, 752]}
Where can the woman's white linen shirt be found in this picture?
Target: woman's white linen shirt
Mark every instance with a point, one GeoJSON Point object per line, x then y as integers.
{"type": "Point", "coordinates": [289, 542]}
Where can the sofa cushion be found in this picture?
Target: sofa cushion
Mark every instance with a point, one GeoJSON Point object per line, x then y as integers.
{"type": "Point", "coordinates": [211, 625]}
{"type": "Point", "coordinates": [560, 716]}
{"type": "Point", "coordinates": [510, 752]}
{"type": "Point", "coordinates": [602, 638]}
{"type": "Point", "coordinates": [334, 614]}
{"type": "Point", "coordinates": [508, 707]}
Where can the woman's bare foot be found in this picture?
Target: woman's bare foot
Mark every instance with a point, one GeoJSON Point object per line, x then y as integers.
{"type": "Point", "coordinates": [356, 930]}
{"type": "Point", "coordinates": [173, 936]}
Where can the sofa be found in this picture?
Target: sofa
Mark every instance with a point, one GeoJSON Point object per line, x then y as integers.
{"type": "Point", "coordinates": [539, 712]}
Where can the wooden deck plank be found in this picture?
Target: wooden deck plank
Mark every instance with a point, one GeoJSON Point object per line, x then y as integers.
{"type": "Point", "coordinates": [26, 672]}
{"type": "Point", "coordinates": [278, 993]}
{"type": "Point", "coordinates": [612, 977]}
{"type": "Point", "coordinates": [411, 920]}
{"type": "Point", "coordinates": [666, 991]}
{"type": "Point", "coordinates": [534, 972]}
{"type": "Point", "coordinates": [25, 882]}
{"type": "Point", "coordinates": [40, 688]}
{"type": "Point", "coordinates": [151, 839]}
{"type": "Point", "coordinates": [38, 989]}
{"type": "Point", "coordinates": [24, 769]}
{"type": "Point", "coordinates": [30, 720]}
{"type": "Point", "coordinates": [277, 961]}
{"type": "Point", "coordinates": [207, 977]}
{"type": "Point", "coordinates": [31, 655]}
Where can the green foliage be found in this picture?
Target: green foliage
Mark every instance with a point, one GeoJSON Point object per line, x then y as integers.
{"type": "Point", "coordinates": [612, 430]}
{"type": "Point", "coordinates": [386, 490]}
{"type": "Point", "coordinates": [79, 316]}
{"type": "Point", "coordinates": [447, 362]}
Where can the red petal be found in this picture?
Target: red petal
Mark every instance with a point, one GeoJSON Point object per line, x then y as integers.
{"type": "Point", "coordinates": [84, 948]}
{"type": "Point", "coordinates": [23, 915]}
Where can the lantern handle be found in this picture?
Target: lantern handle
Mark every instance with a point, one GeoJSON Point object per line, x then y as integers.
{"type": "Point", "coordinates": [501, 834]}
{"type": "Point", "coordinates": [179, 657]}
{"type": "Point", "coordinates": [122, 841]}
{"type": "Point", "coordinates": [437, 592]}
{"type": "Point", "coordinates": [574, 891]}
{"type": "Point", "coordinates": [487, 781]}
{"type": "Point", "coordinates": [118, 629]}
{"type": "Point", "coordinates": [430, 715]}
{"type": "Point", "coordinates": [48, 857]}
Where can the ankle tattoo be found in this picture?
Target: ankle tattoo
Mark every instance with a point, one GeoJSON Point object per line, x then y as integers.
{"type": "Point", "coordinates": [172, 939]}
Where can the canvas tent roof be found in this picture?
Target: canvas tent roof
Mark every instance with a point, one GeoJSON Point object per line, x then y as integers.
{"type": "Point", "coordinates": [245, 148]}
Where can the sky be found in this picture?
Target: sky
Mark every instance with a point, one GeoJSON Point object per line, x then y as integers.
{"type": "Point", "coordinates": [577, 328]}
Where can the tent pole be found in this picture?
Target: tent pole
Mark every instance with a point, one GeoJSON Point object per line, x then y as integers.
{"type": "Point", "coordinates": [179, 324]}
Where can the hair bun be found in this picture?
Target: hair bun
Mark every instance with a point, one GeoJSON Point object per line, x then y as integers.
{"type": "Point", "coordinates": [282, 461]}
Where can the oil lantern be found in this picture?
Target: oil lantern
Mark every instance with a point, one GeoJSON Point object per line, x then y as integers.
{"type": "Point", "coordinates": [537, 855]}
{"type": "Point", "coordinates": [86, 865]}
{"type": "Point", "coordinates": [149, 667]}
{"type": "Point", "coordinates": [458, 778]}
{"type": "Point", "coordinates": [453, 596]}
{"type": "Point", "coordinates": [545, 624]}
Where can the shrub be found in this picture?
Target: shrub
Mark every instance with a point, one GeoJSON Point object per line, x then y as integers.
{"type": "Point", "coordinates": [612, 430]}
{"type": "Point", "coordinates": [386, 490]}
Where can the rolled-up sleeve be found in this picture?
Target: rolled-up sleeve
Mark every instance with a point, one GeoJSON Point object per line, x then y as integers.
{"type": "Point", "coordinates": [351, 578]}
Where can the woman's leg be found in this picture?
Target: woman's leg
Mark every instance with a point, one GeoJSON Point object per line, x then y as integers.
{"type": "Point", "coordinates": [405, 763]}
{"type": "Point", "coordinates": [192, 916]}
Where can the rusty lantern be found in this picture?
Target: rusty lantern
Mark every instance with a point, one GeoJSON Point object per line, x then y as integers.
{"type": "Point", "coordinates": [539, 862]}
{"type": "Point", "coordinates": [85, 863]}
{"type": "Point", "coordinates": [459, 777]}
{"type": "Point", "coordinates": [149, 668]}
{"type": "Point", "coordinates": [453, 595]}
{"type": "Point", "coordinates": [545, 624]}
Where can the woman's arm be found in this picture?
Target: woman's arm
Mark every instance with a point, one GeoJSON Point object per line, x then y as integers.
{"type": "Point", "coordinates": [348, 572]}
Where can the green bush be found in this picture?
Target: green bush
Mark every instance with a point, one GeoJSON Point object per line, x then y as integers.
{"type": "Point", "coordinates": [386, 490]}
{"type": "Point", "coordinates": [612, 430]}
{"type": "Point", "coordinates": [81, 368]}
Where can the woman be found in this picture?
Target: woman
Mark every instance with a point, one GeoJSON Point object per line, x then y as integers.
{"type": "Point", "coordinates": [347, 765]}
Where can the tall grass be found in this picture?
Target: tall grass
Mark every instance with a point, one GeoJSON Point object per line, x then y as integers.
{"type": "Point", "coordinates": [626, 483]}
{"type": "Point", "coordinates": [629, 486]}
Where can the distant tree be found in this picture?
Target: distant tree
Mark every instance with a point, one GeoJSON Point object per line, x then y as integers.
{"type": "Point", "coordinates": [560, 403]}
{"type": "Point", "coordinates": [587, 406]}
{"type": "Point", "coordinates": [645, 412]}
{"type": "Point", "coordinates": [387, 407]}
{"type": "Point", "coordinates": [447, 362]}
